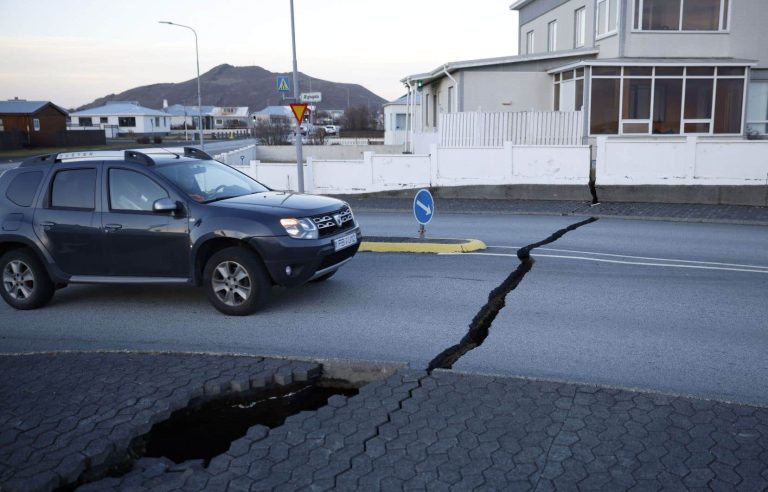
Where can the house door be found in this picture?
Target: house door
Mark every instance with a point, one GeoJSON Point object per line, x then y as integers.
{"type": "Point", "coordinates": [568, 95]}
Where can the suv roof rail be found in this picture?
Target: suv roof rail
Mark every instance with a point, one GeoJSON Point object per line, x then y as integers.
{"type": "Point", "coordinates": [39, 159]}
{"type": "Point", "coordinates": [139, 158]}
{"type": "Point", "coordinates": [196, 153]}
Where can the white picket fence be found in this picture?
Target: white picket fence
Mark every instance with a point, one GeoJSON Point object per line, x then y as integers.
{"type": "Point", "coordinates": [464, 130]}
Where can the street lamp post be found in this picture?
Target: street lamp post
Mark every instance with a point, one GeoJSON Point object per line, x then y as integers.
{"type": "Point", "coordinates": [199, 97]}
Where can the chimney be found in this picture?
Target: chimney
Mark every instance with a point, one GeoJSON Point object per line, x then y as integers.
{"type": "Point", "coordinates": [165, 103]}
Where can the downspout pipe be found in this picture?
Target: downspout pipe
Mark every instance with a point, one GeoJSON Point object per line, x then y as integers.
{"type": "Point", "coordinates": [455, 88]}
{"type": "Point", "coordinates": [408, 118]}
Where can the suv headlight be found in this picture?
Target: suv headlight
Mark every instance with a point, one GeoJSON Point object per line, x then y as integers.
{"type": "Point", "coordinates": [300, 228]}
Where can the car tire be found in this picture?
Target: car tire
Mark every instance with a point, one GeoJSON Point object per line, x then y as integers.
{"type": "Point", "coordinates": [325, 277]}
{"type": "Point", "coordinates": [236, 282]}
{"type": "Point", "coordinates": [25, 282]}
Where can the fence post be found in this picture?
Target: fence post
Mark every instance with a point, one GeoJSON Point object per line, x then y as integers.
{"type": "Point", "coordinates": [254, 169]}
{"type": "Point", "coordinates": [434, 166]}
{"type": "Point", "coordinates": [309, 175]}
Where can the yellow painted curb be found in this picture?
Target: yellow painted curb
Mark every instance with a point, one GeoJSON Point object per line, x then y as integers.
{"type": "Point", "coordinates": [380, 247]}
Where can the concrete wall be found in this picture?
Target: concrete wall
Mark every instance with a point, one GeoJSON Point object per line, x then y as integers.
{"type": "Point", "coordinates": [681, 161]}
{"type": "Point", "coordinates": [509, 165]}
{"type": "Point", "coordinates": [508, 91]}
{"type": "Point", "coordinates": [287, 153]}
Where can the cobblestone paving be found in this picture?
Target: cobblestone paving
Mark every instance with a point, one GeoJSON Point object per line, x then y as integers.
{"type": "Point", "coordinates": [61, 414]}
{"type": "Point", "coordinates": [661, 211]}
{"type": "Point", "coordinates": [411, 431]}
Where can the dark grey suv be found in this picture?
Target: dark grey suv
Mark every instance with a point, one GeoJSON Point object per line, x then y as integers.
{"type": "Point", "coordinates": [162, 217]}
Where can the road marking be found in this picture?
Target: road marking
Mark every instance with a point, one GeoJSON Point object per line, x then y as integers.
{"type": "Point", "coordinates": [602, 260]}
{"type": "Point", "coordinates": [738, 265]}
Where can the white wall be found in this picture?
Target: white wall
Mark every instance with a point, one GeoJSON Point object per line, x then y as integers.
{"type": "Point", "coordinates": [287, 153]}
{"type": "Point", "coordinates": [681, 161]}
{"type": "Point", "coordinates": [441, 167]}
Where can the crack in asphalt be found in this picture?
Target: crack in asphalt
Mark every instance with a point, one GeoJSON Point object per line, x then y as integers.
{"type": "Point", "coordinates": [480, 326]}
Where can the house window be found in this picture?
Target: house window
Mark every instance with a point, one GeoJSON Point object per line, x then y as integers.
{"type": "Point", "coordinates": [104, 119]}
{"type": "Point", "coordinates": [757, 108]}
{"type": "Point", "coordinates": [85, 121]}
{"type": "Point", "coordinates": [667, 100]}
{"type": "Point", "coordinates": [552, 36]}
{"type": "Point", "coordinates": [434, 110]}
{"type": "Point", "coordinates": [2, 128]}
{"type": "Point", "coordinates": [157, 121]}
{"type": "Point", "coordinates": [36, 124]}
{"type": "Point", "coordinates": [681, 15]}
{"type": "Point", "coordinates": [569, 90]}
{"type": "Point", "coordinates": [529, 47]}
{"type": "Point", "coordinates": [579, 27]}
{"type": "Point", "coordinates": [128, 121]}
{"type": "Point", "coordinates": [607, 15]}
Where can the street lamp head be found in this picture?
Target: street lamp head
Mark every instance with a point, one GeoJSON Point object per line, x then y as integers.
{"type": "Point", "coordinates": [165, 22]}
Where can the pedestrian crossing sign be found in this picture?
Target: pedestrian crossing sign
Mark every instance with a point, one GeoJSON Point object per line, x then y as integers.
{"type": "Point", "coordinates": [283, 85]}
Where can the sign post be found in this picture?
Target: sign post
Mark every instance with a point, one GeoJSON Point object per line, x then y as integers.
{"type": "Point", "coordinates": [423, 210]}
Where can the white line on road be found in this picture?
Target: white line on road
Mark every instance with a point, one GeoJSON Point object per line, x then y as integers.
{"type": "Point", "coordinates": [737, 265]}
{"type": "Point", "coordinates": [602, 260]}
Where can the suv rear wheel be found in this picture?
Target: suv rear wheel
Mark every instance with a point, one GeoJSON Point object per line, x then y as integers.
{"type": "Point", "coordinates": [25, 283]}
{"type": "Point", "coordinates": [236, 282]}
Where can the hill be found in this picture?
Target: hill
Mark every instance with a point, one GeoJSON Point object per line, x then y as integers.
{"type": "Point", "coordinates": [254, 87]}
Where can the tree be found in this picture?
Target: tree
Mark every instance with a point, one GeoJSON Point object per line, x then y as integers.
{"type": "Point", "coordinates": [357, 118]}
{"type": "Point", "coordinates": [273, 131]}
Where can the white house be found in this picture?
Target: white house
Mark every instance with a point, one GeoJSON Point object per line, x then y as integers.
{"type": "Point", "coordinates": [126, 116]}
{"type": "Point", "coordinates": [397, 122]}
{"type": "Point", "coordinates": [187, 116]}
{"type": "Point", "coordinates": [667, 92]}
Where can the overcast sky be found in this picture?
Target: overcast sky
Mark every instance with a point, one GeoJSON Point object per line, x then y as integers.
{"type": "Point", "coordinates": [73, 51]}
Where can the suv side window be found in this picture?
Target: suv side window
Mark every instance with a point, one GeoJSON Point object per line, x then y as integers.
{"type": "Point", "coordinates": [22, 189]}
{"type": "Point", "coordinates": [132, 191]}
{"type": "Point", "coordinates": [74, 188]}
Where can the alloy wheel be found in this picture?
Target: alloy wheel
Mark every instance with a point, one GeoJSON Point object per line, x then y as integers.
{"type": "Point", "coordinates": [231, 283]}
{"type": "Point", "coordinates": [18, 280]}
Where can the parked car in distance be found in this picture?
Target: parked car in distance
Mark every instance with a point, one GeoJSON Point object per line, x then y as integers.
{"type": "Point", "coordinates": [162, 217]}
{"type": "Point", "coordinates": [331, 129]}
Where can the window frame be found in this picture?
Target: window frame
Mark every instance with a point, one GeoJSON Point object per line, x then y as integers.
{"type": "Point", "coordinates": [36, 124]}
{"type": "Point", "coordinates": [724, 22]}
{"type": "Point", "coordinates": [530, 42]}
{"type": "Point", "coordinates": [607, 33]}
{"type": "Point", "coordinates": [121, 119]}
{"type": "Point", "coordinates": [129, 211]}
{"type": "Point", "coordinates": [683, 120]}
{"type": "Point", "coordinates": [2, 127]}
{"type": "Point", "coordinates": [580, 27]}
{"type": "Point", "coordinates": [49, 195]}
{"type": "Point", "coordinates": [575, 78]}
{"type": "Point", "coordinates": [552, 36]}
{"type": "Point", "coordinates": [763, 123]}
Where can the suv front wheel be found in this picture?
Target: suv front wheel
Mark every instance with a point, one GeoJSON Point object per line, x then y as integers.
{"type": "Point", "coordinates": [25, 283]}
{"type": "Point", "coordinates": [236, 282]}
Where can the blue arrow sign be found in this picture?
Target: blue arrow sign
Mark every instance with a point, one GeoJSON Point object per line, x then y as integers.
{"type": "Point", "coordinates": [423, 207]}
{"type": "Point", "coordinates": [283, 85]}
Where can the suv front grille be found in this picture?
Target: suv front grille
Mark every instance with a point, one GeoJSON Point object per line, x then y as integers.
{"type": "Point", "coordinates": [334, 222]}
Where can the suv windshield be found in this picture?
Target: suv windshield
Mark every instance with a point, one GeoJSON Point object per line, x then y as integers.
{"type": "Point", "coordinates": [208, 181]}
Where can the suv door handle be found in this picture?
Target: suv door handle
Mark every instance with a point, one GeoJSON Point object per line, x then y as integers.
{"type": "Point", "coordinates": [112, 227]}
{"type": "Point", "coordinates": [46, 224]}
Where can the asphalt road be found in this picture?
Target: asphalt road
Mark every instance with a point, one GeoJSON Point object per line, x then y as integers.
{"type": "Point", "coordinates": [674, 307]}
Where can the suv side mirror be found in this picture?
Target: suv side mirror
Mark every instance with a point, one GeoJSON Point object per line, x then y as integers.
{"type": "Point", "coordinates": [165, 205]}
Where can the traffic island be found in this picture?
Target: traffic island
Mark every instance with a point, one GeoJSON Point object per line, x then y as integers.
{"type": "Point", "coordinates": [380, 244]}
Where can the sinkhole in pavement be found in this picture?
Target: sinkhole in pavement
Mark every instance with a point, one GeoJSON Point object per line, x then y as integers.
{"type": "Point", "coordinates": [208, 429]}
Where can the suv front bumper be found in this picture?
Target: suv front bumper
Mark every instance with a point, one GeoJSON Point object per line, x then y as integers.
{"type": "Point", "coordinates": [307, 258]}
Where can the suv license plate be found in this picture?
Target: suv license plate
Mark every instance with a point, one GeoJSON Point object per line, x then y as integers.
{"type": "Point", "coordinates": [345, 241]}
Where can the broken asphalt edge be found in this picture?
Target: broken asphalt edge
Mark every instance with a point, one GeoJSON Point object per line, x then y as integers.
{"type": "Point", "coordinates": [410, 245]}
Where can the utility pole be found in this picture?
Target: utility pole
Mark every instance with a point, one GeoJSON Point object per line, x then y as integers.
{"type": "Point", "coordinates": [299, 150]}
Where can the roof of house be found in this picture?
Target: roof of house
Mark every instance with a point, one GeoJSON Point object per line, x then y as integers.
{"type": "Point", "coordinates": [439, 72]}
{"type": "Point", "coordinates": [403, 100]}
{"type": "Point", "coordinates": [181, 110]}
{"type": "Point", "coordinates": [704, 61]}
{"type": "Point", "coordinates": [520, 4]}
{"type": "Point", "coordinates": [121, 108]}
{"type": "Point", "coordinates": [21, 106]}
{"type": "Point", "coordinates": [275, 111]}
